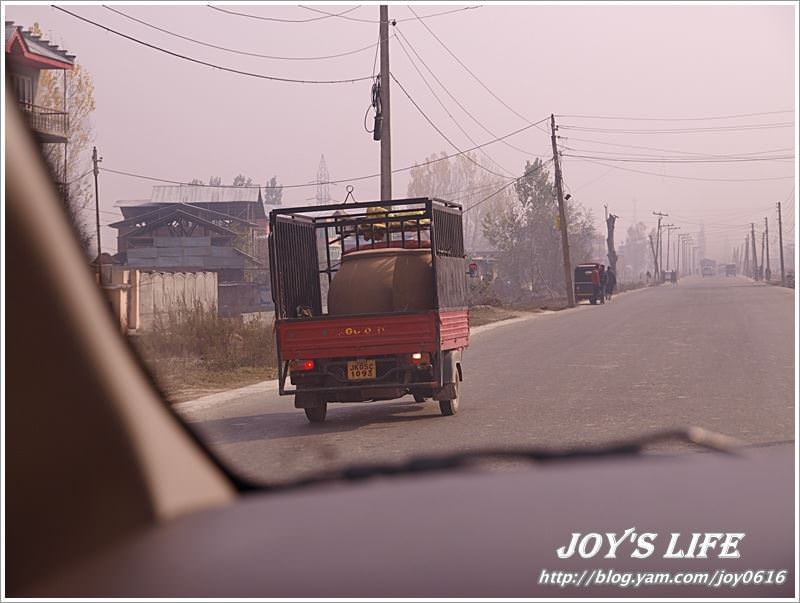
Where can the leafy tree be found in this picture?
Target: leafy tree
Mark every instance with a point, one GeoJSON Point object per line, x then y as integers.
{"type": "Point", "coordinates": [273, 193]}
{"type": "Point", "coordinates": [78, 193]}
{"type": "Point", "coordinates": [215, 181]}
{"type": "Point", "coordinates": [635, 251]}
{"type": "Point", "coordinates": [241, 180]}
{"type": "Point", "coordinates": [457, 179]}
{"type": "Point", "coordinates": [527, 233]}
{"type": "Point", "coordinates": [196, 181]}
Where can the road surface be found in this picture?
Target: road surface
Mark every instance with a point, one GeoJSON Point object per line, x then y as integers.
{"type": "Point", "coordinates": [715, 352]}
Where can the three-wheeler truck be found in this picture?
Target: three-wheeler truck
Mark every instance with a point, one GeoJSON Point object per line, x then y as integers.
{"type": "Point", "coordinates": [370, 302]}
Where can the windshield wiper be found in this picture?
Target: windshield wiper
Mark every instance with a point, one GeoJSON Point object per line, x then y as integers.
{"type": "Point", "coordinates": [698, 436]}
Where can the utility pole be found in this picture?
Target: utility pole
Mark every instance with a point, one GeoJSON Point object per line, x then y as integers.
{"type": "Point", "coordinates": [767, 272]}
{"type": "Point", "coordinates": [746, 267]}
{"type": "Point", "coordinates": [761, 272]}
{"type": "Point", "coordinates": [780, 243]}
{"type": "Point", "coordinates": [658, 243]}
{"type": "Point", "coordinates": [753, 245]}
{"type": "Point", "coordinates": [386, 130]}
{"type": "Point", "coordinates": [96, 171]}
{"type": "Point", "coordinates": [669, 228]}
{"type": "Point", "coordinates": [562, 216]}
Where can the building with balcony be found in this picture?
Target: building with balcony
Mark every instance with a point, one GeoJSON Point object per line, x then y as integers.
{"type": "Point", "coordinates": [27, 55]}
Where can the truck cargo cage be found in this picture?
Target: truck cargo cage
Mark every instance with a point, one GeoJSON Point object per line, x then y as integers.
{"type": "Point", "coordinates": [306, 245]}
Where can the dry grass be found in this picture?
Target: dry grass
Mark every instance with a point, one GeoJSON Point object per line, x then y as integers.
{"type": "Point", "coordinates": [195, 352]}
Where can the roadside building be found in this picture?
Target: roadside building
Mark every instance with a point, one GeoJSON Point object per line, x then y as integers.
{"type": "Point", "coordinates": [191, 228]}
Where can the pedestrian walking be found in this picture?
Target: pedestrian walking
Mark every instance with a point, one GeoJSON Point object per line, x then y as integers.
{"type": "Point", "coordinates": [611, 282]}
{"type": "Point", "coordinates": [603, 282]}
{"type": "Point", "coordinates": [595, 286]}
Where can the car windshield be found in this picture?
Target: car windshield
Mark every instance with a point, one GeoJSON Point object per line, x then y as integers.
{"type": "Point", "coordinates": [343, 235]}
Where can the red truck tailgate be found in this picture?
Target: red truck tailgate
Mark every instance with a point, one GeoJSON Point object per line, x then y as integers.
{"type": "Point", "coordinates": [357, 336]}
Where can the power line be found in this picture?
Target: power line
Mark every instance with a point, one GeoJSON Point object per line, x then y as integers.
{"type": "Point", "coordinates": [467, 69]}
{"type": "Point", "coordinates": [340, 181]}
{"type": "Point", "coordinates": [234, 50]}
{"type": "Point", "coordinates": [676, 118]}
{"type": "Point", "coordinates": [676, 151]}
{"type": "Point", "coordinates": [446, 110]}
{"type": "Point", "coordinates": [442, 134]}
{"type": "Point", "coordinates": [360, 20]}
{"type": "Point", "coordinates": [279, 20]}
{"type": "Point", "coordinates": [206, 63]}
{"type": "Point", "coordinates": [455, 98]}
{"type": "Point", "coordinates": [508, 184]}
{"type": "Point", "coordinates": [767, 126]}
{"type": "Point", "coordinates": [672, 160]}
{"type": "Point", "coordinates": [617, 167]}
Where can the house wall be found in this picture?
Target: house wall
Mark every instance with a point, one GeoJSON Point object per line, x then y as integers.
{"type": "Point", "coordinates": [162, 293]}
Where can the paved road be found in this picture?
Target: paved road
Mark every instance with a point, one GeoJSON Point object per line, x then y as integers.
{"type": "Point", "coordinates": [715, 352]}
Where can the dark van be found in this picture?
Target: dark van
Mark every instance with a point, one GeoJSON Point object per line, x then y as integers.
{"type": "Point", "coordinates": [583, 282]}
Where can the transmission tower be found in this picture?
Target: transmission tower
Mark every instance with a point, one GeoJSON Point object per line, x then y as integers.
{"type": "Point", "coordinates": [323, 187]}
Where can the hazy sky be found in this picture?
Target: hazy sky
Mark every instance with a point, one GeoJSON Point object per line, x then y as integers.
{"type": "Point", "coordinates": [162, 116]}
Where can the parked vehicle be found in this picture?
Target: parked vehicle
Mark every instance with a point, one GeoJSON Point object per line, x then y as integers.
{"type": "Point", "coordinates": [382, 317]}
{"type": "Point", "coordinates": [730, 269]}
{"type": "Point", "coordinates": [583, 281]}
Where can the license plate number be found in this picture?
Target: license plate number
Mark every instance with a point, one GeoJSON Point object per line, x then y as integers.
{"type": "Point", "coordinates": [358, 370]}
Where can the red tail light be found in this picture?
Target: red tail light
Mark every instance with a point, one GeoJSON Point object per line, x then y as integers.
{"type": "Point", "coordinates": [301, 365]}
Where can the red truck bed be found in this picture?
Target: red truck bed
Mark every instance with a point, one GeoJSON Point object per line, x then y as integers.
{"type": "Point", "coordinates": [371, 335]}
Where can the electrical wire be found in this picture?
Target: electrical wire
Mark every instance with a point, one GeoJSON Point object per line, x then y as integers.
{"type": "Point", "coordinates": [508, 184]}
{"type": "Point", "coordinates": [361, 20]}
{"type": "Point", "coordinates": [675, 118]}
{"type": "Point", "coordinates": [206, 63]}
{"type": "Point", "coordinates": [233, 50]}
{"type": "Point", "coordinates": [676, 151]}
{"type": "Point", "coordinates": [635, 160]}
{"type": "Point", "coordinates": [467, 69]}
{"type": "Point", "coordinates": [442, 134]}
{"type": "Point", "coordinates": [339, 181]}
{"type": "Point", "coordinates": [279, 20]}
{"type": "Point", "coordinates": [446, 110]}
{"type": "Point", "coordinates": [455, 98]}
{"type": "Point", "coordinates": [717, 129]}
{"type": "Point", "coordinates": [687, 177]}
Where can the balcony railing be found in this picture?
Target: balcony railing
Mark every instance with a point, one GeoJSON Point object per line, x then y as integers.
{"type": "Point", "coordinates": [51, 125]}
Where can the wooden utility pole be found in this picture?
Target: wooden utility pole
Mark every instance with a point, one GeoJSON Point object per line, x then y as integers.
{"type": "Point", "coordinates": [96, 171]}
{"type": "Point", "coordinates": [753, 245]}
{"type": "Point", "coordinates": [386, 130]}
{"type": "Point", "coordinates": [767, 271]}
{"type": "Point", "coordinates": [780, 243]}
{"type": "Point", "coordinates": [562, 217]}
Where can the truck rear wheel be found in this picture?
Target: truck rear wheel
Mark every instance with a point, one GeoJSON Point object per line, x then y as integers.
{"type": "Point", "coordinates": [317, 414]}
{"type": "Point", "coordinates": [448, 407]}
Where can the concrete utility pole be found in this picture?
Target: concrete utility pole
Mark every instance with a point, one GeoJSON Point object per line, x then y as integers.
{"type": "Point", "coordinates": [780, 243]}
{"type": "Point", "coordinates": [562, 216]}
{"type": "Point", "coordinates": [96, 171]}
{"type": "Point", "coordinates": [753, 245]}
{"type": "Point", "coordinates": [386, 130]}
{"type": "Point", "coordinates": [669, 228]}
{"type": "Point", "coordinates": [767, 272]}
{"type": "Point", "coordinates": [657, 253]}
{"type": "Point", "coordinates": [746, 267]}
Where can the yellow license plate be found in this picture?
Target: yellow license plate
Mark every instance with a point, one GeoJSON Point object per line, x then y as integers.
{"type": "Point", "coordinates": [358, 370]}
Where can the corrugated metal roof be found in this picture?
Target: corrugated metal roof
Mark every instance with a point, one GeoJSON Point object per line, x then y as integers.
{"type": "Point", "coordinates": [38, 45]}
{"type": "Point", "coordinates": [185, 193]}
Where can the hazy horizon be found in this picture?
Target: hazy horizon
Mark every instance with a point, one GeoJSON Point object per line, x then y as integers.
{"type": "Point", "coordinates": [164, 117]}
